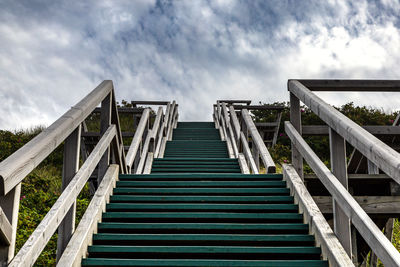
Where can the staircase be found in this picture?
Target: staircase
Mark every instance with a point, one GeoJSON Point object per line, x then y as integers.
{"type": "Point", "coordinates": [197, 209]}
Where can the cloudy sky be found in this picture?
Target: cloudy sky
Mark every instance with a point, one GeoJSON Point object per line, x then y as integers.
{"type": "Point", "coordinates": [52, 53]}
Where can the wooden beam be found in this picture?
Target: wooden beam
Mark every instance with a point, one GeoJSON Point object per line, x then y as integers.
{"type": "Point", "coordinates": [371, 147]}
{"type": "Point", "coordinates": [247, 102]}
{"type": "Point", "coordinates": [97, 134]}
{"type": "Point", "coordinates": [32, 248]}
{"type": "Point", "coordinates": [364, 224]}
{"type": "Point", "coordinates": [351, 85]}
{"type": "Point", "coordinates": [124, 110]}
{"type": "Point", "coordinates": [256, 107]}
{"type": "Point", "coordinates": [379, 177]}
{"type": "Point", "coordinates": [373, 129]}
{"type": "Point", "coordinates": [149, 103]}
{"type": "Point", "coordinates": [77, 247]}
{"type": "Point", "coordinates": [370, 204]}
{"type": "Point", "coordinates": [15, 167]}
{"type": "Point", "coordinates": [330, 245]}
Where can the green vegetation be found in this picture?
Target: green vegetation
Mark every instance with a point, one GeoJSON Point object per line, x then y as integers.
{"type": "Point", "coordinates": [41, 188]}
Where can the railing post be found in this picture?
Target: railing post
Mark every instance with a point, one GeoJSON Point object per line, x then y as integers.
{"type": "Point", "coordinates": [70, 168]}
{"type": "Point", "coordinates": [295, 120]}
{"type": "Point", "coordinates": [105, 122]}
{"type": "Point", "coordinates": [10, 206]}
{"type": "Point", "coordinates": [339, 169]}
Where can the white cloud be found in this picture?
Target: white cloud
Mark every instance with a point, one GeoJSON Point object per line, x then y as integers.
{"type": "Point", "coordinates": [193, 51]}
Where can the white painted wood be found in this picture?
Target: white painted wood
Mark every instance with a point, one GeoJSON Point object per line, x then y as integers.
{"type": "Point", "coordinates": [295, 119]}
{"type": "Point", "coordinates": [170, 120]}
{"type": "Point", "coordinates": [149, 163]}
{"type": "Point", "coordinates": [135, 144]}
{"type": "Point", "coordinates": [159, 141]}
{"type": "Point", "coordinates": [258, 142]}
{"type": "Point", "coordinates": [330, 245]}
{"type": "Point", "coordinates": [14, 168]}
{"type": "Point", "coordinates": [82, 238]}
{"type": "Point", "coordinates": [339, 168]}
{"type": "Point", "coordinates": [243, 165]}
{"type": "Point", "coordinates": [70, 168]}
{"type": "Point", "coordinates": [247, 154]}
{"type": "Point", "coordinates": [32, 248]}
{"type": "Point", "coordinates": [364, 224]}
{"type": "Point", "coordinates": [375, 150]}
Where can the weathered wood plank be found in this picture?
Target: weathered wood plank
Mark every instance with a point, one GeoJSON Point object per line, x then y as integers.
{"type": "Point", "coordinates": [77, 247]}
{"type": "Point", "coordinates": [257, 107]}
{"type": "Point", "coordinates": [149, 103]}
{"type": "Point", "coordinates": [366, 227]}
{"type": "Point", "coordinates": [259, 143]}
{"type": "Point", "coordinates": [351, 85]}
{"type": "Point", "coordinates": [375, 150]}
{"type": "Point", "coordinates": [70, 168]}
{"type": "Point", "coordinates": [370, 204]}
{"type": "Point", "coordinates": [14, 168]}
{"type": "Point", "coordinates": [243, 165]}
{"type": "Point", "coordinates": [373, 129]}
{"type": "Point", "coordinates": [148, 164]}
{"type": "Point", "coordinates": [247, 154]}
{"type": "Point", "coordinates": [124, 110]}
{"type": "Point", "coordinates": [330, 245]}
{"type": "Point", "coordinates": [247, 102]}
{"type": "Point", "coordinates": [133, 148]}
{"type": "Point", "coordinates": [32, 248]}
{"type": "Point", "coordinates": [379, 177]}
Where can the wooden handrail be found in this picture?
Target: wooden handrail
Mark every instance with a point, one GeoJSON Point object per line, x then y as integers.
{"type": "Point", "coordinates": [360, 219]}
{"type": "Point", "coordinates": [32, 248]}
{"type": "Point", "coordinates": [17, 166]}
{"type": "Point", "coordinates": [382, 155]}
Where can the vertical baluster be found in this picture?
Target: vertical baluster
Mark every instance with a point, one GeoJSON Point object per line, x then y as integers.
{"type": "Point", "coordinates": [70, 168]}
{"type": "Point", "coordinates": [105, 122]}
{"type": "Point", "coordinates": [295, 120]}
{"type": "Point", "coordinates": [339, 169]}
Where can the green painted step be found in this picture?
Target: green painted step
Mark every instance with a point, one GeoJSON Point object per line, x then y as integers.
{"type": "Point", "coordinates": [279, 227]}
{"type": "Point", "coordinates": [186, 166]}
{"type": "Point", "coordinates": [202, 215]}
{"type": "Point", "coordinates": [203, 249]}
{"type": "Point", "coordinates": [196, 160]}
{"type": "Point", "coordinates": [215, 170]}
{"type": "Point", "coordinates": [203, 199]}
{"type": "Point", "coordinates": [194, 163]}
{"type": "Point", "coordinates": [192, 191]}
{"type": "Point", "coordinates": [202, 262]}
{"type": "Point", "coordinates": [233, 176]}
{"type": "Point", "coordinates": [202, 184]}
{"type": "Point", "coordinates": [205, 237]}
{"type": "Point", "coordinates": [208, 207]}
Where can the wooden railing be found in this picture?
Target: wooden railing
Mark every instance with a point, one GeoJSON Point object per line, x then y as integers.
{"type": "Point", "coordinates": [107, 157]}
{"type": "Point", "coordinates": [237, 131]}
{"type": "Point", "coordinates": [341, 129]}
